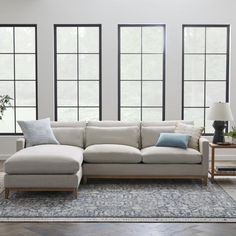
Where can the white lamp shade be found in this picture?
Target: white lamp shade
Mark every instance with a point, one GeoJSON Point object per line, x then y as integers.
{"type": "Point", "coordinates": [220, 111]}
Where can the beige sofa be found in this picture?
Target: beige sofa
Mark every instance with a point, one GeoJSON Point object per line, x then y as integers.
{"type": "Point", "coordinates": [102, 149]}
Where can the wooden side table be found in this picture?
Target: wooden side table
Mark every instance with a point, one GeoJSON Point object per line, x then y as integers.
{"type": "Point", "coordinates": [212, 169]}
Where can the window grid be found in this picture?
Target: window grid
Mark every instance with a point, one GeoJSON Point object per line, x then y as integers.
{"type": "Point", "coordinates": [14, 106]}
{"type": "Point", "coordinates": [141, 70]}
{"type": "Point", "coordinates": [78, 80]}
{"type": "Point", "coordinates": [205, 54]}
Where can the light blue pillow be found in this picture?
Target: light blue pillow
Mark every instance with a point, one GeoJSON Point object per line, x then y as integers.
{"type": "Point", "coordinates": [173, 140]}
{"type": "Point", "coordinates": [37, 132]}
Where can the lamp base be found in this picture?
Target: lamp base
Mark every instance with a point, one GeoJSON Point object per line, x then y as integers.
{"type": "Point", "coordinates": [219, 127]}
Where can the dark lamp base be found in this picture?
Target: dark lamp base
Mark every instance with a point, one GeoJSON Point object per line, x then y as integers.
{"type": "Point", "coordinates": [219, 127]}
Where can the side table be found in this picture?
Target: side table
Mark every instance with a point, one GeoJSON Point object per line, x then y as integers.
{"type": "Point", "coordinates": [212, 169]}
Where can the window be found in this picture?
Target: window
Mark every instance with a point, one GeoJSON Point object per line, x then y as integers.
{"type": "Point", "coordinates": [78, 72]}
{"type": "Point", "coordinates": [205, 71]}
{"type": "Point", "coordinates": [141, 72]}
{"type": "Point", "coordinates": [18, 74]}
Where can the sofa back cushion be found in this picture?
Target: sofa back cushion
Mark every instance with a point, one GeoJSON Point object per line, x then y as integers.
{"type": "Point", "coordinates": [112, 123]}
{"type": "Point", "coordinates": [59, 124]}
{"type": "Point", "coordinates": [165, 123]}
{"type": "Point", "coordinates": [113, 135]}
{"type": "Point", "coordinates": [72, 136]}
{"type": "Point", "coordinates": [150, 135]}
{"type": "Point", "coordinates": [70, 133]}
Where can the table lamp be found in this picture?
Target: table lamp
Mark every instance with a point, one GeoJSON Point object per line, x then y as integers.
{"type": "Point", "coordinates": [220, 112]}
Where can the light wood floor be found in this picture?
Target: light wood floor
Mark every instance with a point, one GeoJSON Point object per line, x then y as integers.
{"type": "Point", "coordinates": [124, 229]}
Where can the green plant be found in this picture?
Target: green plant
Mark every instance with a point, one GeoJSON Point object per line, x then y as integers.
{"type": "Point", "coordinates": [5, 100]}
{"type": "Point", "coordinates": [232, 133]}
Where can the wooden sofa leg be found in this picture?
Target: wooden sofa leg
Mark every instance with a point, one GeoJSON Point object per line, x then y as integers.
{"type": "Point", "coordinates": [204, 181]}
{"type": "Point", "coordinates": [7, 192]}
{"type": "Point", "coordinates": [75, 192]}
{"type": "Point", "coordinates": [85, 180]}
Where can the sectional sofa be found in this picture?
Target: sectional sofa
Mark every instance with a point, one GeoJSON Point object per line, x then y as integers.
{"type": "Point", "coordinates": [102, 149]}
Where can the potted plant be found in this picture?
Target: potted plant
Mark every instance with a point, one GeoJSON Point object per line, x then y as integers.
{"type": "Point", "coordinates": [232, 134]}
{"type": "Point", "coordinates": [5, 100]}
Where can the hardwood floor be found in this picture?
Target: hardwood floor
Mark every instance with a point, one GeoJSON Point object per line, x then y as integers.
{"type": "Point", "coordinates": [116, 229]}
{"type": "Point", "coordinates": [124, 229]}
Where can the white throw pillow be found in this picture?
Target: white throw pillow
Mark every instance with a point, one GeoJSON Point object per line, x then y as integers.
{"type": "Point", "coordinates": [195, 133]}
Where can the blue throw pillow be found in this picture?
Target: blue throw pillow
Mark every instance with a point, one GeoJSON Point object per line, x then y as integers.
{"type": "Point", "coordinates": [37, 132]}
{"type": "Point", "coordinates": [173, 140]}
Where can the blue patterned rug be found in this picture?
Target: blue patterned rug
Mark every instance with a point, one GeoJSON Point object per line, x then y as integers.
{"type": "Point", "coordinates": [124, 200]}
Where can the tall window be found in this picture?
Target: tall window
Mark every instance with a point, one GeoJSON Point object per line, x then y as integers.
{"type": "Point", "coordinates": [78, 72]}
{"type": "Point", "coordinates": [205, 70]}
{"type": "Point", "coordinates": [18, 74]}
{"type": "Point", "coordinates": [141, 72]}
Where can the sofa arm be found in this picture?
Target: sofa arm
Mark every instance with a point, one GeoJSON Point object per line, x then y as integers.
{"type": "Point", "coordinates": [20, 144]}
{"type": "Point", "coordinates": [204, 149]}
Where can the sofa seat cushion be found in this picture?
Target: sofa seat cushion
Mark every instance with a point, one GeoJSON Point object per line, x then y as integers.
{"type": "Point", "coordinates": [112, 153]}
{"type": "Point", "coordinates": [45, 159]}
{"type": "Point", "coordinates": [170, 155]}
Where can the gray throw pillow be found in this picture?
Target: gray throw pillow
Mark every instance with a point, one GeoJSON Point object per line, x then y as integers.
{"type": "Point", "coordinates": [37, 132]}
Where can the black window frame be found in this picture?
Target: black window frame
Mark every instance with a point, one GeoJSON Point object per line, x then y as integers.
{"type": "Point", "coordinates": [227, 26]}
{"type": "Point", "coordinates": [36, 76]}
{"type": "Point", "coordinates": [100, 70]}
{"type": "Point", "coordinates": [163, 67]}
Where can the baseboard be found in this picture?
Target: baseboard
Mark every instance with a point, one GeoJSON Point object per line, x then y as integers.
{"type": "Point", "coordinates": [4, 157]}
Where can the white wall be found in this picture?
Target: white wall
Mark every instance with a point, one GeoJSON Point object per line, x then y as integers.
{"type": "Point", "coordinates": [109, 13]}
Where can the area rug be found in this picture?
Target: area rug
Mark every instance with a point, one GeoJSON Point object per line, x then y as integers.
{"type": "Point", "coordinates": [124, 201]}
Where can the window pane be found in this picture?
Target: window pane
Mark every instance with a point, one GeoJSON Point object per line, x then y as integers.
{"type": "Point", "coordinates": [81, 66]}
{"type": "Point", "coordinates": [67, 39]}
{"type": "Point", "coordinates": [88, 40]}
{"type": "Point", "coordinates": [152, 93]}
{"type": "Point", "coordinates": [194, 66]}
{"type": "Point", "coordinates": [194, 39]}
{"type": "Point", "coordinates": [153, 39]}
{"type": "Point", "coordinates": [25, 93]}
{"type": "Point", "coordinates": [130, 93]}
{"type": "Point", "coordinates": [25, 39]}
{"type": "Point", "coordinates": [152, 67]}
{"type": "Point", "coordinates": [7, 123]}
{"type": "Point", "coordinates": [130, 67]}
{"type": "Point", "coordinates": [194, 94]}
{"type": "Point", "coordinates": [67, 93]}
{"type": "Point", "coordinates": [89, 114]}
{"type": "Point", "coordinates": [18, 65]}
{"type": "Point", "coordinates": [89, 67]}
{"type": "Point", "coordinates": [67, 114]}
{"type": "Point", "coordinates": [6, 39]}
{"type": "Point", "coordinates": [7, 88]}
{"type": "Point", "coordinates": [25, 67]}
{"type": "Point", "coordinates": [6, 67]}
{"type": "Point", "coordinates": [89, 93]}
{"type": "Point", "coordinates": [24, 114]}
{"type": "Point", "coordinates": [216, 67]}
{"type": "Point", "coordinates": [196, 115]}
{"type": "Point", "coordinates": [67, 67]}
{"type": "Point", "coordinates": [152, 114]}
{"type": "Point", "coordinates": [216, 40]}
{"type": "Point", "coordinates": [209, 66]}
{"type": "Point", "coordinates": [130, 39]}
{"type": "Point", "coordinates": [215, 92]}
{"type": "Point", "coordinates": [130, 114]}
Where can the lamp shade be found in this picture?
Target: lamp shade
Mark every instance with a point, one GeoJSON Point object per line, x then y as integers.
{"type": "Point", "coordinates": [220, 111]}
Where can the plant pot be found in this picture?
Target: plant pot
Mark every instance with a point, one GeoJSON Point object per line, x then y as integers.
{"type": "Point", "coordinates": [233, 140]}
